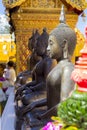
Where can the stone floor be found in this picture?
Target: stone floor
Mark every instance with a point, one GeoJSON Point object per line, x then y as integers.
{"type": "Point", "coordinates": [8, 116]}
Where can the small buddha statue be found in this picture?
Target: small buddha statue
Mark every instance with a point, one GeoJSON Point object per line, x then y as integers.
{"type": "Point", "coordinates": [61, 45]}
{"type": "Point", "coordinates": [33, 58]}
{"type": "Point", "coordinates": [31, 61]}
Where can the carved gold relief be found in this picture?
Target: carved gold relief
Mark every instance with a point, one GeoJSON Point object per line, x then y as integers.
{"type": "Point", "coordinates": [42, 3]}
{"type": "Point", "coordinates": [27, 3]}
{"type": "Point", "coordinates": [79, 45]}
{"type": "Point", "coordinates": [78, 4]}
{"type": "Point", "coordinates": [12, 3]}
{"type": "Point", "coordinates": [39, 21]}
{"type": "Point", "coordinates": [22, 51]}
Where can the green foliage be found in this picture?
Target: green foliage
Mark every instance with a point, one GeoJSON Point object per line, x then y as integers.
{"type": "Point", "coordinates": [73, 111]}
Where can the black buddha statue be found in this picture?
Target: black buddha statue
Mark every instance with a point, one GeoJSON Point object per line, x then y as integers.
{"type": "Point", "coordinates": [31, 61]}
{"type": "Point", "coordinates": [33, 58]}
{"type": "Point", "coordinates": [62, 42]}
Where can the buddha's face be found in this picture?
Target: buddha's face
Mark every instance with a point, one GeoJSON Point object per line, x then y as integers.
{"type": "Point", "coordinates": [55, 51]}
{"type": "Point", "coordinates": [40, 49]}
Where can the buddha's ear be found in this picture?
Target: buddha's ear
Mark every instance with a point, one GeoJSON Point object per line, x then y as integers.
{"type": "Point", "coordinates": [65, 49]}
{"type": "Point", "coordinates": [64, 43]}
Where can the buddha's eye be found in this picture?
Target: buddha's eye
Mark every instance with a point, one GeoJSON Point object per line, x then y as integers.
{"type": "Point", "coordinates": [51, 43]}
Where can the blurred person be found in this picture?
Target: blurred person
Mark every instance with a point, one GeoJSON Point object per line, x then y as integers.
{"type": "Point", "coordinates": [5, 83]}
{"type": "Point", "coordinates": [5, 73]}
{"type": "Point", "coordinates": [11, 76]}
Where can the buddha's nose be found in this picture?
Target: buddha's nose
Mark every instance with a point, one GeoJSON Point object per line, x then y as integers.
{"type": "Point", "coordinates": [48, 48]}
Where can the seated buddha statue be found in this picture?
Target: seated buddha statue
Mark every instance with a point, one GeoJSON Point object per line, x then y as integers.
{"type": "Point", "coordinates": [36, 89]}
{"type": "Point", "coordinates": [61, 45]}
{"type": "Point", "coordinates": [33, 58]}
{"type": "Point", "coordinates": [31, 61]}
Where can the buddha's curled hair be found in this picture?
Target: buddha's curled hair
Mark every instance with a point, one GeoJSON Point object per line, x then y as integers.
{"type": "Point", "coordinates": [43, 39]}
{"type": "Point", "coordinates": [64, 32]}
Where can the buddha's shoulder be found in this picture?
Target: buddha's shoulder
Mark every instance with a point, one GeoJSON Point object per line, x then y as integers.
{"type": "Point", "coordinates": [55, 72]}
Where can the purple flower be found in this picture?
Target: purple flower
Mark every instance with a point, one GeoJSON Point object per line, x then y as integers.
{"type": "Point", "coordinates": [51, 126]}
{"type": "Point", "coordinates": [2, 79]}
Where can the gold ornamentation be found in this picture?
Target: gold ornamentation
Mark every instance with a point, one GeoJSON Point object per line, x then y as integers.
{"type": "Point", "coordinates": [27, 3]}
{"type": "Point", "coordinates": [12, 4]}
{"type": "Point", "coordinates": [32, 3]}
{"type": "Point", "coordinates": [79, 45]}
{"type": "Point", "coordinates": [44, 3]}
{"type": "Point", "coordinates": [78, 4]}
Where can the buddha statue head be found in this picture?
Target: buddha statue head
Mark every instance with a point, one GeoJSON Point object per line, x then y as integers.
{"type": "Point", "coordinates": [42, 43]}
{"type": "Point", "coordinates": [33, 39]}
{"type": "Point", "coordinates": [62, 40]}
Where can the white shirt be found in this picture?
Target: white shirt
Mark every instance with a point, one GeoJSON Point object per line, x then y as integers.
{"type": "Point", "coordinates": [11, 76]}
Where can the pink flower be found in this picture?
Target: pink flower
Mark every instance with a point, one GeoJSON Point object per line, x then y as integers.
{"type": "Point", "coordinates": [51, 126]}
